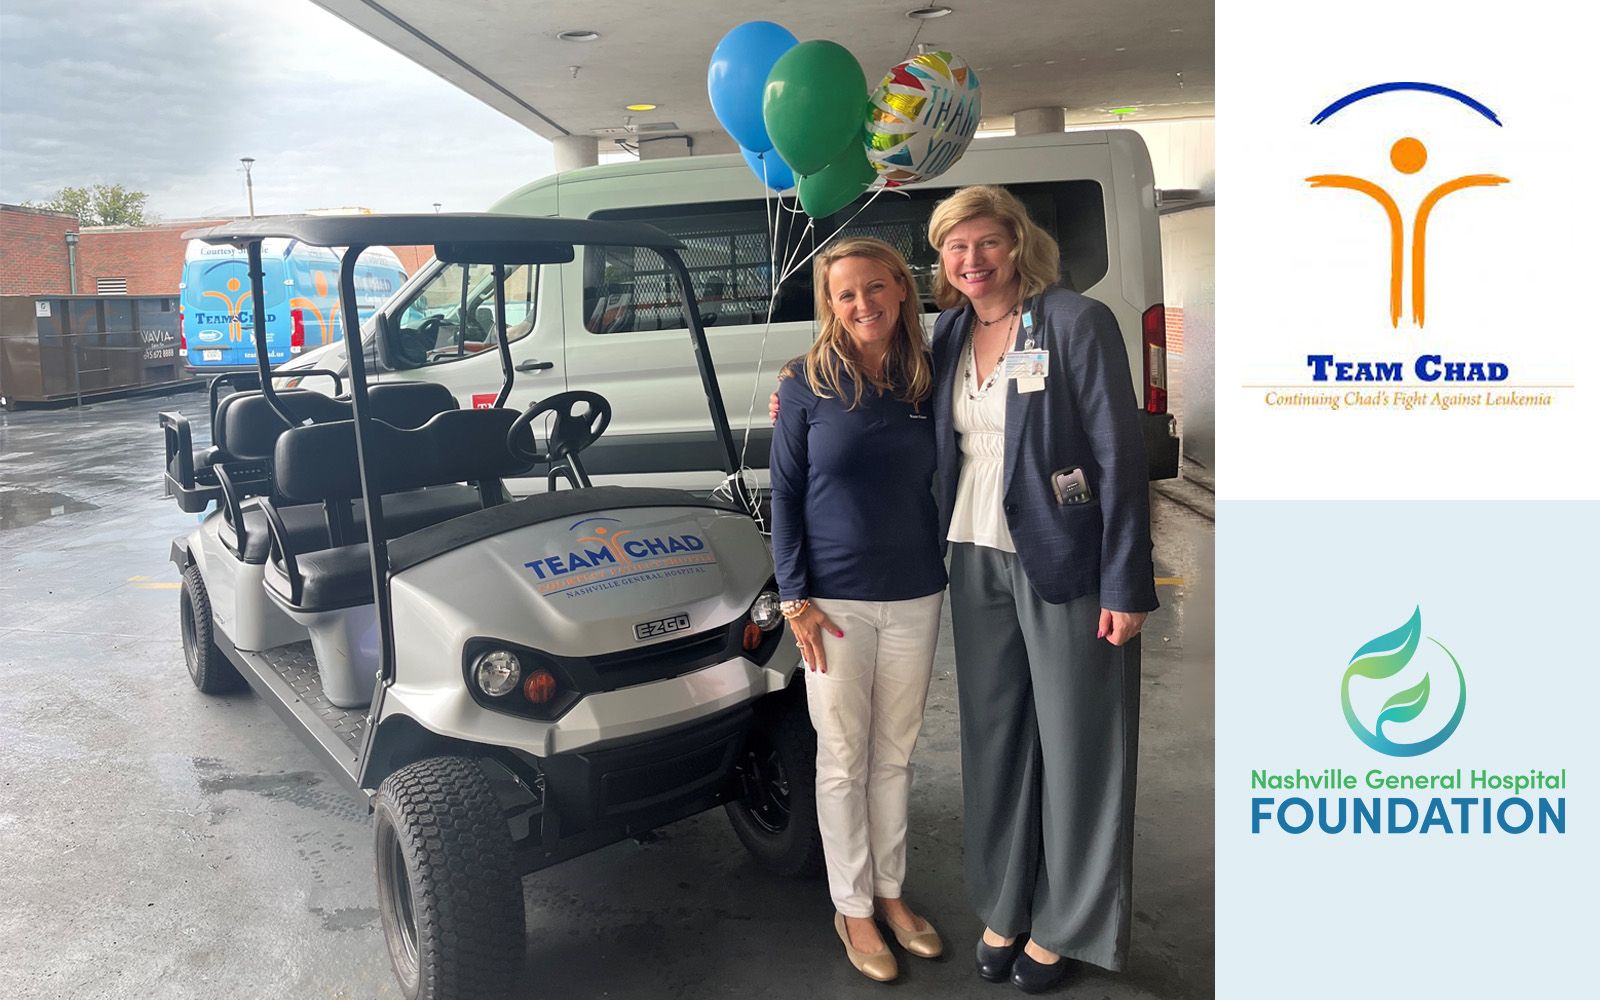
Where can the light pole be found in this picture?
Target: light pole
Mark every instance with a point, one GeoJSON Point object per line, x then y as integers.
{"type": "Point", "coordinates": [436, 208]}
{"type": "Point", "coordinates": [249, 188]}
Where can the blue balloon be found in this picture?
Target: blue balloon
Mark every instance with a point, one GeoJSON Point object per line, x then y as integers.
{"type": "Point", "coordinates": [737, 79]}
{"type": "Point", "coordinates": [775, 174]}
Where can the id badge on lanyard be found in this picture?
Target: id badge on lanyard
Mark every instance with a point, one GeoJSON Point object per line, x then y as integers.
{"type": "Point", "coordinates": [1030, 366]}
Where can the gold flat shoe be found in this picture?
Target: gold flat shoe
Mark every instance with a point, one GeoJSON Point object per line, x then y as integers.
{"type": "Point", "coordinates": [924, 943]}
{"type": "Point", "coordinates": [879, 965]}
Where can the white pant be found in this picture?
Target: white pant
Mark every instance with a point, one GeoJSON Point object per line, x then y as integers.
{"type": "Point", "coordinates": [867, 710]}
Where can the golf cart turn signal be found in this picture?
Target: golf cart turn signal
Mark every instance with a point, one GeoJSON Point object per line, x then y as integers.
{"type": "Point", "coordinates": [497, 672]}
{"type": "Point", "coordinates": [752, 637]}
{"type": "Point", "coordinates": [765, 612]}
{"type": "Point", "coordinates": [540, 686]}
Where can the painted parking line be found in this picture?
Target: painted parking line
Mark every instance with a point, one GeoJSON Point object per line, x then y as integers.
{"type": "Point", "coordinates": [145, 583]}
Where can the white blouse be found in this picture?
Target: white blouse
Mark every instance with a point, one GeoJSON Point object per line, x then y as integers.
{"type": "Point", "coordinates": [978, 516]}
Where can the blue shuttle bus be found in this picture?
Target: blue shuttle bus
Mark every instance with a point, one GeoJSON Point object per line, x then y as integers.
{"type": "Point", "coordinates": [216, 317]}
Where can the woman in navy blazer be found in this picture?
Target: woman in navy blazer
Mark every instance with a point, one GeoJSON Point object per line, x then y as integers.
{"type": "Point", "coordinates": [1042, 494]}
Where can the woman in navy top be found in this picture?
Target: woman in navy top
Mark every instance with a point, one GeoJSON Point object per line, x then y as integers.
{"type": "Point", "coordinates": [855, 538]}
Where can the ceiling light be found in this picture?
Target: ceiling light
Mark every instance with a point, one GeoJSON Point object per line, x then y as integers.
{"type": "Point", "coordinates": [1123, 111]}
{"type": "Point", "coordinates": [641, 107]}
{"type": "Point", "coordinates": [579, 35]}
{"type": "Point", "coordinates": [927, 13]}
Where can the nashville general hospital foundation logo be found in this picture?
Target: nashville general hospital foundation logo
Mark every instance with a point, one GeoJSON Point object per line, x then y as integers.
{"type": "Point", "coordinates": [1383, 658]}
{"type": "Point", "coordinates": [1408, 155]}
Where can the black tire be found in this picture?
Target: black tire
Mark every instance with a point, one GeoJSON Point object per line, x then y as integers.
{"type": "Point", "coordinates": [449, 889]}
{"type": "Point", "coordinates": [776, 816]}
{"type": "Point", "coordinates": [208, 668]}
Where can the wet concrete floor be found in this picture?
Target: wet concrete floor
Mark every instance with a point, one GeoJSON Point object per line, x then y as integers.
{"type": "Point", "coordinates": [156, 842]}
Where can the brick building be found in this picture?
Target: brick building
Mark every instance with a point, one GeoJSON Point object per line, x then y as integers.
{"type": "Point", "coordinates": [111, 260]}
{"type": "Point", "coordinates": [33, 250]}
{"type": "Point", "coordinates": [133, 260]}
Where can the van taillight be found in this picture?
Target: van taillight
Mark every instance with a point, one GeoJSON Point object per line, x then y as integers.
{"type": "Point", "coordinates": [297, 334]}
{"type": "Point", "coordinates": [1155, 359]}
{"type": "Point", "coordinates": [183, 341]}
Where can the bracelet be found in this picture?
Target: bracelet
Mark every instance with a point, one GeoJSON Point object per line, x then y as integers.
{"type": "Point", "coordinates": [794, 609]}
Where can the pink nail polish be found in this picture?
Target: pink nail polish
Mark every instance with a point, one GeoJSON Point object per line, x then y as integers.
{"type": "Point", "coordinates": [1101, 634]}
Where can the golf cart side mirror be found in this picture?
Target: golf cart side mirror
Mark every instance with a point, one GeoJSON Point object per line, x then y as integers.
{"type": "Point", "coordinates": [385, 340]}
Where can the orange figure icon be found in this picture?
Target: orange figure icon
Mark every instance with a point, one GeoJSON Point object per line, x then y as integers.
{"type": "Point", "coordinates": [1408, 156]}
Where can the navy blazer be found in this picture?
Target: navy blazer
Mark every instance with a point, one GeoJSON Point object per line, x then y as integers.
{"type": "Point", "coordinates": [1085, 417]}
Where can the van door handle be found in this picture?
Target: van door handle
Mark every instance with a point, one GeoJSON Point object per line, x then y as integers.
{"type": "Point", "coordinates": [536, 366]}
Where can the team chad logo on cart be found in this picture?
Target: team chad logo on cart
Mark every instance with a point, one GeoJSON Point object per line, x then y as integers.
{"type": "Point", "coordinates": [603, 555]}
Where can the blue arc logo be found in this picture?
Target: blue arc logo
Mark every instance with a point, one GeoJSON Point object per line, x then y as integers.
{"type": "Point", "coordinates": [1385, 657]}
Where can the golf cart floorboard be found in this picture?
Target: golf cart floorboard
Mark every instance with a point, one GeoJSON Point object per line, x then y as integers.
{"type": "Point", "coordinates": [287, 677]}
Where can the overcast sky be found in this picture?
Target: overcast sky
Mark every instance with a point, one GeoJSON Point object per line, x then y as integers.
{"type": "Point", "coordinates": [165, 96]}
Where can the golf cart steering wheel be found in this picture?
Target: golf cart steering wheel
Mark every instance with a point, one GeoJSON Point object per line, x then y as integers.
{"type": "Point", "coordinates": [572, 432]}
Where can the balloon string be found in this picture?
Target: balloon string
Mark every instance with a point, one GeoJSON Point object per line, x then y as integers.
{"type": "Point", "coordinates": [774, 209]}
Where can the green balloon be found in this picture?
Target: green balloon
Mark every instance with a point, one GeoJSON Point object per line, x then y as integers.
{"type": "Point", "coordinates": [813, 104]}
{"type": "Point", "coordinates": [837, 184]}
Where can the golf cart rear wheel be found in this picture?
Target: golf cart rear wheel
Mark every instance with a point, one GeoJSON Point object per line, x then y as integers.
{"type": "Point", "coordinates": [776, 816]}
{"type": "Point", "coordinates": [208, 668]}
{"type": "Point", "coordinates": [449, 890]}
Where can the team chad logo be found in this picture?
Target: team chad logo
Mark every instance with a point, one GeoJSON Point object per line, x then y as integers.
{"type": "Point", "coordinates": [1408, 155]}
{"type": "Point", "coordinates": [1384, 659]}
{"type": "Point", "coordinates": [601, 553]}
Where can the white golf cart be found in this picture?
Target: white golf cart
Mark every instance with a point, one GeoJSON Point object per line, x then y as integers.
{"type": "Point", "coordinates": [510, 683]}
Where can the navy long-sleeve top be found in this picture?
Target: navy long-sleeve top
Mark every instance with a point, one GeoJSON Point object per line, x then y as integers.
{"type": "Point", "coordinates": [853, 512]}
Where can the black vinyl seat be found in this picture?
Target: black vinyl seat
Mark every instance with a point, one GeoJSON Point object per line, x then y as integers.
{"type": "Point", "coordinates": [306, 525]}
{"type": "Point", "coordinates": [245, 435]}
{"type": "Point", "coordinates": [420, 472]}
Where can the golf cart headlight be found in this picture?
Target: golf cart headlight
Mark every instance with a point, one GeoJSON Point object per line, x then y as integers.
{"type": "Point", "coordinates": [765, 612]}
{"type": "Point", "coordinates": [497, 672]}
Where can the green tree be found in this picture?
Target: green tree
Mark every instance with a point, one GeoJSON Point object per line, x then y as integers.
{"type": "Point", "coordinates": [100, 205]}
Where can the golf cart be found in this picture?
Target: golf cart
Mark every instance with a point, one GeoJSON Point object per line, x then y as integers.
{"type": "Point", "coordinates": [508, 682]}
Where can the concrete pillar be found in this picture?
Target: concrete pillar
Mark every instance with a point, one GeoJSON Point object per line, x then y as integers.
{"type": "Point", "coordinates": [574, 151]}
{"type": "Point", "coordinates": [1039, 121]}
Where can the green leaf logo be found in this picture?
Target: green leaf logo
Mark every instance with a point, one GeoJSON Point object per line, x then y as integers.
{"type": "Point", "coordinates": [1385, 657]}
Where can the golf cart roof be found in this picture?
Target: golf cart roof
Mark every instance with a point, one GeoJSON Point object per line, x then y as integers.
{"type": "Point", "coordinates": [456, 229]}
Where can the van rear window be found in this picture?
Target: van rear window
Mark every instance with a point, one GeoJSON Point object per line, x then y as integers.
{"type": "Point", "coordinates": [730, 254]}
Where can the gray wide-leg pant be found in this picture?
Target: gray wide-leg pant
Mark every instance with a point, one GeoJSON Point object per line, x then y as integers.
{"type": "Point", "coordinates": [1049, 740]}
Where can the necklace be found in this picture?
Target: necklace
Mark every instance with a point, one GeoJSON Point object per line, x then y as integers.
{"type": "Point", "coordinates": [997, 319]}
{"type": "Point", "coordinates": [970, 378]}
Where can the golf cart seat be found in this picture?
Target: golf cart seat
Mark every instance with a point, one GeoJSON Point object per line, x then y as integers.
{"type": "Point", "coordinates": [247, 431]}
{"type": "Point", "coordinates": [316, 464]}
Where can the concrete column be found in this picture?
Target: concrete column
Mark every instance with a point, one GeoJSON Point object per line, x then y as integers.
{"type": "Point", "coordinates": [574, 151]}
{"type": "Point", "coordinates": [1039, 121]}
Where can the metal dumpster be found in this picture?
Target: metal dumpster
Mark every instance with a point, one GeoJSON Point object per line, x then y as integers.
{"type": "Point", "coordinates": [71, 347]}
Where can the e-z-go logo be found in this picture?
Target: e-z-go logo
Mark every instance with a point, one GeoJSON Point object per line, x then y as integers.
{"type": "Point", "coordinates": [1408, 155]}
{"type": "Point", "coordinates": [1381, 659]}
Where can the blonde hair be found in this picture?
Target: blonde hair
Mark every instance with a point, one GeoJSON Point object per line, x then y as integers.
{"type": "Point", "coordinates": [906, 366]}
{"type": "Point", "coordinates": [1034, 253]}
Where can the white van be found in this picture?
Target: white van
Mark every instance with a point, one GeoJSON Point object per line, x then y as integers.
{"type": "Point", "coordinates": [607, 322]}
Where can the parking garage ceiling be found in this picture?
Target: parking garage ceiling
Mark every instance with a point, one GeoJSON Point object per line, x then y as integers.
{"type": "Point", "coordinates": [1088, 57]}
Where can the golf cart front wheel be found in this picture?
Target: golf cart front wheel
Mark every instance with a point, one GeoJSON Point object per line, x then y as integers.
{"type": "Point", "coordinates": [449, 890]}
{"type": "Point", "coordinates": [775, 815]}
{"type": "Point", "coordinates": [208, 668]}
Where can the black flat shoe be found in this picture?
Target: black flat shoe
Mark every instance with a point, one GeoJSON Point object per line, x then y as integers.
{"type": "Point", "coordinates": [1030, 976]}
{"type": "Point", "coordinates": [994, 964]}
